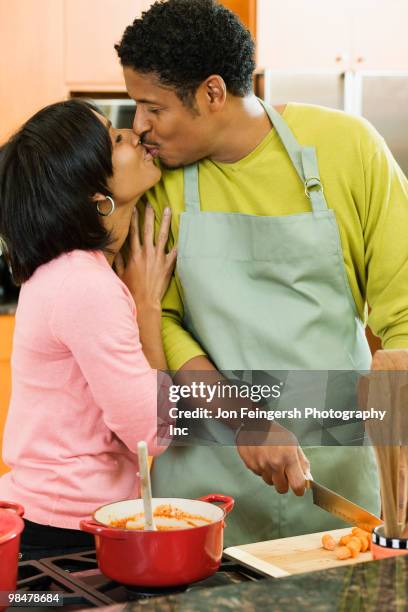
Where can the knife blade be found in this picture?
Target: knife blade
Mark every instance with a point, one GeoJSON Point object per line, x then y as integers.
{"type": "Point", "coordinates": [341, 507]}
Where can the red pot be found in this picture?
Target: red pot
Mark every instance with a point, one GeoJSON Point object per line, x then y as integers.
{"type": "Point", "coordinates": [11, 526]}
{"type": "Point", "coordinates": [160, 558]}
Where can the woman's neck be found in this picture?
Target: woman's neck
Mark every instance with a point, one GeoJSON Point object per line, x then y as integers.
{"type": "Point", "coordinates": [118, 224]}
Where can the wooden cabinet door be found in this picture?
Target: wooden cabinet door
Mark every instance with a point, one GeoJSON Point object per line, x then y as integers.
{"type": "Point", "coordinates": [380, 40]}
{"type": "Point", "coordinates": [246, 11]}
{"type": "Point", "coordinates": [5, 390]}
{"type": "Point", "coordinates": [31, 59]}
{"type": "Point", "coordinates": [6, 335]}
{"type": "Point", "coordinates": [303, 35]}
{"type": "Point", "coordinates": [92, 27]}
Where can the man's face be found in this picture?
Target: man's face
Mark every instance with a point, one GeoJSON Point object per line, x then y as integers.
{"type": "Point", "coordinates": [169, 129]}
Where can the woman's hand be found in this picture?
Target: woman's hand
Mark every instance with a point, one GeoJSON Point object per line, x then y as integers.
{"type": "Point", "coordinates": [147, 275]}
{"type": "Point", "coordinates": [149, 268]}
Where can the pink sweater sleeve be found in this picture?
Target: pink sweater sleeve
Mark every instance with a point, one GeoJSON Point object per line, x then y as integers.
{"type": "Point", "coordinates": [94, 317]}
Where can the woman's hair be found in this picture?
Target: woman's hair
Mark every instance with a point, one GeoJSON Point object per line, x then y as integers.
{"type": "Point", "coordinates": [49, 171]}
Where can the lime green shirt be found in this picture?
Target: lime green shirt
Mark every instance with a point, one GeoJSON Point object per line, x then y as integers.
{"type": "Point", "coordinates": [363, 184]}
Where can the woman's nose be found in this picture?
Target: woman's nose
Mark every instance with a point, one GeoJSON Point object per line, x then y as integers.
{"type": "Point", "coordinates": [134, 139]}
{"type": "Point", "coordinates": [130, 137]}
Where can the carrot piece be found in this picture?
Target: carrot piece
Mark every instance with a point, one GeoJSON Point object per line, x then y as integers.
{"type": "Point", "coordinates": [358, 531]}
{"type": "Point", "coordinates": [328, 542]}
{"type": "Point", "coordinates": [355, 546]}
{"type": "Point", "coordinates": [343, 552]}
{"type": "Point", "coordinates": [364, 542]}
{"type": "Point", "coordinates": [362, 532]}
{"type": "Point", "coordinates": [369, 542]}
{"type": "Point", "coordinates": [344, 540]}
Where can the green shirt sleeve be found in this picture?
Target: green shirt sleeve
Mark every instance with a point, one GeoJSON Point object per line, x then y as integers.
{"type": "Point", "coordinates": [179, 344]}
{"type": "Point", "coordinates": [386, 248]}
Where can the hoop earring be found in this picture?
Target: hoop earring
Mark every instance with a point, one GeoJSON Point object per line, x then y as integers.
{"type": "Point", "coordinates": [107, 214]}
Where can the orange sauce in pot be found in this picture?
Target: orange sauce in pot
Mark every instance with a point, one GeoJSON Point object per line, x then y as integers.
{"type": "Point", "coordinates": [165, 511]}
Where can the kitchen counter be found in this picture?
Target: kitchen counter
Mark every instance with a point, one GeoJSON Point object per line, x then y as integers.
{"type": "Point", "coordinates": [372, 586]}
{"type": "Point", "coordinates": [8, 308]}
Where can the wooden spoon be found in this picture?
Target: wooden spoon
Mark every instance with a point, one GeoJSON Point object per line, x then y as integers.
{"type": "Point", "coordinates": [146, 486]}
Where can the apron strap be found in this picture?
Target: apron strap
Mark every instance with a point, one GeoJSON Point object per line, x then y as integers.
{"type": "Point", "coordinates": [293, 148]}
{"type": "Point", "coordinates": [304, 159]}
{"type": "Point", "coordinates": [191, 192]}
{"type": "Point", "coordinates": [313, 184]}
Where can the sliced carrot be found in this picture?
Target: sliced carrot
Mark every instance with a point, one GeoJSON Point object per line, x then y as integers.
{"type": "Point", "coordinates": [343, 552]}
{"type": "Point", "coordinates": [328, 542]}
{"type": "Point", "coordinates": [362, 532]}
{"type": "Point", "coordinates": [369, 542]}
{"type": "Point", "coordinates": [358, 531]}
{"type": "Point", "coordinates": [364, 542]}
{"type": "Point", "coordinates": [344, 540]}
{"type": "Point", "coordinates": [355, 546]}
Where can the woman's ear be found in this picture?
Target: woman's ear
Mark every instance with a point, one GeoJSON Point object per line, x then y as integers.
{"type": "Point", "coordinates": [98, 197]}
{"type": "Point", "coordinates": [105, 205]}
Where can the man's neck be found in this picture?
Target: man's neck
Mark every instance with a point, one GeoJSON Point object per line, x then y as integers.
{"type": "Point", "coordinates": [244, 126]}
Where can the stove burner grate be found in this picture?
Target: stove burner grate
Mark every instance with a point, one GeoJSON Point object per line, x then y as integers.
{"type": "Point", "coordinates": [79, 579]}
{"type": "Point", "coordinates": [34, 576]}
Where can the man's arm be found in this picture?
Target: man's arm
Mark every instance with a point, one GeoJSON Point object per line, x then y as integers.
{"type": "Point", "coordinates": [283, 464]}
{"type": "Point", "coordinates": [386, 247]}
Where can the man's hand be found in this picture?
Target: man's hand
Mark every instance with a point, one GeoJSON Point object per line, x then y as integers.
{"type": "Point", "coordinates": [279, 461]}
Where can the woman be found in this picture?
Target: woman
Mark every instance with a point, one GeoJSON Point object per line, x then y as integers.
{"type": "Point", "coordinates": [84, 359]}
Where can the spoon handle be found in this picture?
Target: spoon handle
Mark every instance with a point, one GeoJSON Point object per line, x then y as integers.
{"type": "Point", "coordinates": [145, 486]}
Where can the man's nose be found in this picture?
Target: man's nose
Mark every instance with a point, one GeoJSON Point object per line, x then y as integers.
{"type": "Point", "coordinates": [140, 123]}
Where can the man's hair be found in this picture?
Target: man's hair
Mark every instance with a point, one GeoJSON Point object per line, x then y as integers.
{"type": "Point", "coordinates": [183, 42]}
{"type": "Point", "coordinates": [49, 171]}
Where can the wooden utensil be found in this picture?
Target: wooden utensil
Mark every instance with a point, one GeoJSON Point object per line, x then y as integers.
{"type": "Point", "coordinates": [146, 486]}
{"type": "Point", "coordinates": [388, 389]}
{"type": "Point", "coordinates": [385, 439]}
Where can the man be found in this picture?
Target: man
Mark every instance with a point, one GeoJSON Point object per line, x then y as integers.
{"type": "Point", "coordinates": [288, 222]}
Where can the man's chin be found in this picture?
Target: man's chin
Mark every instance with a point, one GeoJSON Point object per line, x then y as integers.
{"type": "Point", "coordinates": [166, 165]}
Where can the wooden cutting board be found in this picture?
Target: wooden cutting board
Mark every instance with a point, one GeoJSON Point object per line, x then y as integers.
{"type": "Point", "coordinates": [296, 555]}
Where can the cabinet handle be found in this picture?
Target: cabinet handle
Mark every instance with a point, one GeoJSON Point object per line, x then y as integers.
{"type": "Point", "coordinates": [360, 60]}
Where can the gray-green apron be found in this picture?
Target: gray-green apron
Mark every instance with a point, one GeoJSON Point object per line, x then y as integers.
{"type": "Point", "coordinates": [269, 293]}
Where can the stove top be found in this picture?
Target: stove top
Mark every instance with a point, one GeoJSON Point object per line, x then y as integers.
{"type": "Point", "coordinates": [82, 585]}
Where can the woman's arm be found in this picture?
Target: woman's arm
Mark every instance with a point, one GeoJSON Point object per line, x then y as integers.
{"type": "Point", "coordinates": [94, 320]}
{"type": "Point", "coordinates": [147, 274]}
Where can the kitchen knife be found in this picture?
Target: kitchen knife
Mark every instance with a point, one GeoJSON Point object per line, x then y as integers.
{"type": "Point", "coordinates": [341, 507]}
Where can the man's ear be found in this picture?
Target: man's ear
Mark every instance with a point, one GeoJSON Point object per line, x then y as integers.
{"type": "Point", "coordinates": [215, 92]}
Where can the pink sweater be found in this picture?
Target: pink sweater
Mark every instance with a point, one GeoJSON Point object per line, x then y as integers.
{"type": "Point", "coordinates": [83, 393]}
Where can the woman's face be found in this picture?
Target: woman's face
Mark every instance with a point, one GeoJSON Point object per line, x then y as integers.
{"type": "Point", "coordinates": [134, 170]}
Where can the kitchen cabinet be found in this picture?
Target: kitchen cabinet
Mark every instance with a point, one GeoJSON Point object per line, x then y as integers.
{"type": "Point", "coordinates": [339, 36]}
{"type": "Point", "coordinates": [6, 335]}
{"type": "Point", "coordinates": [246, 11]}
{"type": "Point", "coordinates": [379, 30]}
{"type": "Point", "coordinates": [91, 29]}
{"type": "Point", "coordinates": [31, 59]}
{"type": "Point", "coordinates": [303, 34]}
